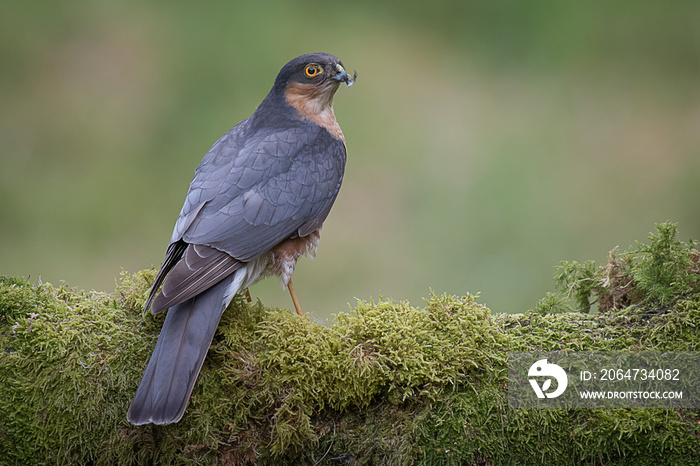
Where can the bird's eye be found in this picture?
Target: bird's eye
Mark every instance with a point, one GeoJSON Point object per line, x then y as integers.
{"type": "Point", "coordinates": [312, 70]}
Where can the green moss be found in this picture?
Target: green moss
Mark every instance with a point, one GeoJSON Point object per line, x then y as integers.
{"type": "Point", "coordinates": [387, 383]}
{"type": "Point", "coordinates": [656, 274]}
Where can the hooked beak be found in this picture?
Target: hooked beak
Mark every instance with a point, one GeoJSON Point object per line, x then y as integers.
{"type": "Point", "coordinates": [342, 76]}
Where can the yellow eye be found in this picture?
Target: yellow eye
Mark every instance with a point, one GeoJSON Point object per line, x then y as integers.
{"type": "Point", "coordinates": [312, 70]}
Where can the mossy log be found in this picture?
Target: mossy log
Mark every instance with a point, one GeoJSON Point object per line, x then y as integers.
{"type": "Point", "coordinates": [387, 383]}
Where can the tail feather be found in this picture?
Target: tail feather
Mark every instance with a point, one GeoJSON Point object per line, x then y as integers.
{"type": "Point", "coordinates": [183, 343]}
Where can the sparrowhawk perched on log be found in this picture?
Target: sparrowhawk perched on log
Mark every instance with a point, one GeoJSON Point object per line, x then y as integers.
{"type": "Point", "coordinates": [256, 204]}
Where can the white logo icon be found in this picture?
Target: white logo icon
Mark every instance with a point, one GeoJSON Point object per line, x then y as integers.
{"type": "Point", "coordinates": [542, 368]}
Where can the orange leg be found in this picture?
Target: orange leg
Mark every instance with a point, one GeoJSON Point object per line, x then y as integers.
{"type": "Point", "coordinates": [247, 296]}
{"type": "Point", "coordinates": [294, 298]}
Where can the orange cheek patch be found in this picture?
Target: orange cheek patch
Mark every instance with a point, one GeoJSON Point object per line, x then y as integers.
{"type": "Point", "coordinates": [315, 103]}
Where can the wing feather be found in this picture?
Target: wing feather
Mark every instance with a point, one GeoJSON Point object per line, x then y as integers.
{"type": "Point", "coordinates": [200, 268]}
{"type": "Point", "coordinates": [273, 187]}
{"type": "Point", "coordinates": [253, 190]}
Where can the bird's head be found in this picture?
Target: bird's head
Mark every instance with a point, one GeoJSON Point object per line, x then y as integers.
{"type": "Point", "coordinates": [310, 81]}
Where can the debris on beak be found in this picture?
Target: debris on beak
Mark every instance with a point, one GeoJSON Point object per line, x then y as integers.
{"type": "Point", "coordinates": [350, 81]}
{"type": "Point", "coordinates": [343, 76]}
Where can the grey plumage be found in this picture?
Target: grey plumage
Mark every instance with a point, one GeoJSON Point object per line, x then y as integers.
{"type": "Point", "coordinates": [272, 187]}
{"type": "Point", "coordinates": [272, 178]}
{"type": "Point", "coordinates": [177, 358]}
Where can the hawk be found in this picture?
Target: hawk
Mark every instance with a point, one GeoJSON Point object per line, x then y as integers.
{"type": "Point", "coordinates": [256, 204]}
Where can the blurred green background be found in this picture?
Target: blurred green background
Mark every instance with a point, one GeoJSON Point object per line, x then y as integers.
{"type": "Point", "coordinates": [487, 140]}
